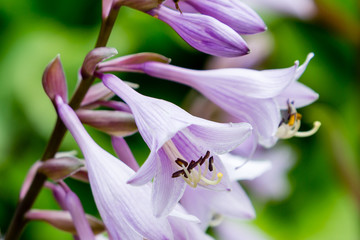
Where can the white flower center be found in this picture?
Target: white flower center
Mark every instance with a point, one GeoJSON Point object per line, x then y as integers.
{"type": "Point", "coordinates": [290, 127]}
{"type": "Point", "coordinates": [192, 172]}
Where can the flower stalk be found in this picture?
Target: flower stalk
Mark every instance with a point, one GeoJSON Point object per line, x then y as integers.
{"type": "Point", "coordinates": [18, 221]}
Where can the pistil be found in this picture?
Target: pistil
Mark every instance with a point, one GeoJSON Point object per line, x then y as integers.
{"type": "Point", "coordinates": [289, 126]}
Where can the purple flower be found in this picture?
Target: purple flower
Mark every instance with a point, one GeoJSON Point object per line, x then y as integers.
{"type": "Point", "coordinates": [233, 13]}
{"type": "Point", "coordinates": [248, 95]}
{"type": "Point", "coordinates": [203, 32]}
{"type": "Point", "coordinates": [183, 148]}
{"type": "Point", "coordinates": [125, 209]}
{"type": "Point", "coordinates": [210, 207]}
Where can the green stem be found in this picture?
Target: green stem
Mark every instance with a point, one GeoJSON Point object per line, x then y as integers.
{"type": "Point", "coordinates": [18, 221]}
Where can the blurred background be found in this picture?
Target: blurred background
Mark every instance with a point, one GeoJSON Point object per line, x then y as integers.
{"type": "Point", "coordinates": [322, 194]}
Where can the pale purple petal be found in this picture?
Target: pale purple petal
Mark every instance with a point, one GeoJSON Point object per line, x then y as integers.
{"type": "Point", "coordinates": [124, 153]}
{"type": "Point", "coordinates": [146, 172]}
{"type": "Point", "coordinates": [76, 210]}
{"type": "Point", "coordinates": [203, 203]}
{"type": "Point", "coordinates": [231, 230]}
{"type": "Point", "coordinates": [204, 33]}
{"type": "Point", "coordinates": [184, 230]}
{"type": "Point", "coordinates": [303, 9]}
{"type": "Point", "coordinates": [299, 93]}
{"type": "Point", "coordinates": [243, 169]}
{"type": "Point", "coordinates": [167, 191]}
{"type": "Point", "coordinates": [194, 204]}
{"type": "Point", "coordinates": [261, 45]}
{"type": "Point", "coordinates": [233, 13]}
{"type": "Point", "coordinates": [236, 81]}
{"type": "Point", "coordinates": [273, 184]}
{"type": "Point", "coordinates": [119, 204]}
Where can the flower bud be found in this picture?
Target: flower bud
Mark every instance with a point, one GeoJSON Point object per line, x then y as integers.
{"type": "Point", "coordinates": [96, 92]}
{"type": "Point", "coordinates": [54, 82]}
{"type": "Point", "coordinates": [141, 5]}
{"type": "Point", "coordinates": [62, 220]}
{"type": "Point", "coordinates": [60, 168]}
{"type": "Point", "coordinates": [93, 58]}
{"type": "Point", "coordinates": [114, 123]}
{"type": "Point", "coordinates": [118, 63]}
{"type": "Point", "coordinates": [203, 32]}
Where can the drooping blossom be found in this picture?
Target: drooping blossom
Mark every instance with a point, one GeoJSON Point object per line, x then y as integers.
{"type": "Point", "coordinates": [211, 207]}
{"type": "Point", "coordinates": [125, 209]}
{"type": "Point", "coordinates": [182, 228]}
{"type": "Point", "coordinates": [233, 13]}
{"type": "Point", "coordinates": [203, 32]}
{"type": "Point", "coordinates": [184, 148]}
{"type": "Point", "coordinates": [248, 95]}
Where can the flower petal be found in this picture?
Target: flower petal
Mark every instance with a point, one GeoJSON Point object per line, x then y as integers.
{"type": "Point", "coordinates": [120, 204]}
{"type": "Point", "coordinates": [243, 169]}
{"type": "Point", "coordinates": [124, 153]}
{"type": "Point", "coordinates": [233, 13]}
{"type": "Point", "coordinates": [204, 33]}
{"type": "Point", "coordinates": [299, 93]}
{"type": "Point", "coordinates": [167, 191]}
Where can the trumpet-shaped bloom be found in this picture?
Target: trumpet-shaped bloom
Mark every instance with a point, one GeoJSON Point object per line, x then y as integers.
{"type": "Point", "coordinates": [248, 95]}
{"type": "Point", "coordinates": [125, 209]}
{"type": "Point", "coordinates": [210, 207]}
{"type": "Point", "coordinates": [203, 32]}
{"type": "Point", "coordinates": [233, 13]}
{"type": "Point", "coordinates": [184, 148]}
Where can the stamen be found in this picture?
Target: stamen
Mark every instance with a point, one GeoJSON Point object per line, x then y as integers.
{"type": "Point", "coordinates": [315, 128]}
{"type": "Point", "coordinates": [290, 128]}
{"type": "Point", "coordinates": [211, 162]}
{"type": "Point", "coordinates": [181, 162]}
{"type": "Point", "coordinates": [177, 5]}
{"type": "Point", "coordinates": [178, 173]}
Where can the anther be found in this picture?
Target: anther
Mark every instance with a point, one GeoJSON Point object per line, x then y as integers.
{"type": "Point", "coordinates": [211, 162]}
{"type": "Point", "coordinates": [181, 162]}
{"type": "Point", "coordinates": [178, 173]}
{"type": "Point", "coordinates": [194, 176]}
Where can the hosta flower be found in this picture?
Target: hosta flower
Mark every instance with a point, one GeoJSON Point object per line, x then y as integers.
{"type": "Point", "coordinates": [248, 95]}
{"type": "Point", "coordinates": [125, 209]}
{"type": "Point", "coordinates": [233, 13]}
{"type": "Point", "coordinates": [203, 32]}
{"type": "Point", "coordinates": [211, 207]}
{"type": "Point", "coordinates": [184, 148]}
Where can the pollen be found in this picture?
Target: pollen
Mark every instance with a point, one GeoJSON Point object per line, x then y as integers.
{"type": "Point", "coordinates": [290, 125]}
{"type": "Point", "coordinates": [193, 174]}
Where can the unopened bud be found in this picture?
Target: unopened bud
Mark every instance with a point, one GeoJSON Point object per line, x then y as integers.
{"type": "Point", "coordinates": [97, 92]}
{"type": "Point", "coordinates": [114, 123]}
{"type": "Point", "coordinates": [81, 175]}
{"type": "Point", "coordinates": [54, 82]}
{"type": "Point", "coordinates": [60, 168]}
{"type": "Point", "coordinates": [62, 220]}
{"type": "Point", "coordinates": [123, 64]}
{"type": "Point", "coordinates": [93, 58]}
{"type": "Point", "coordinates": [141, 5]}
